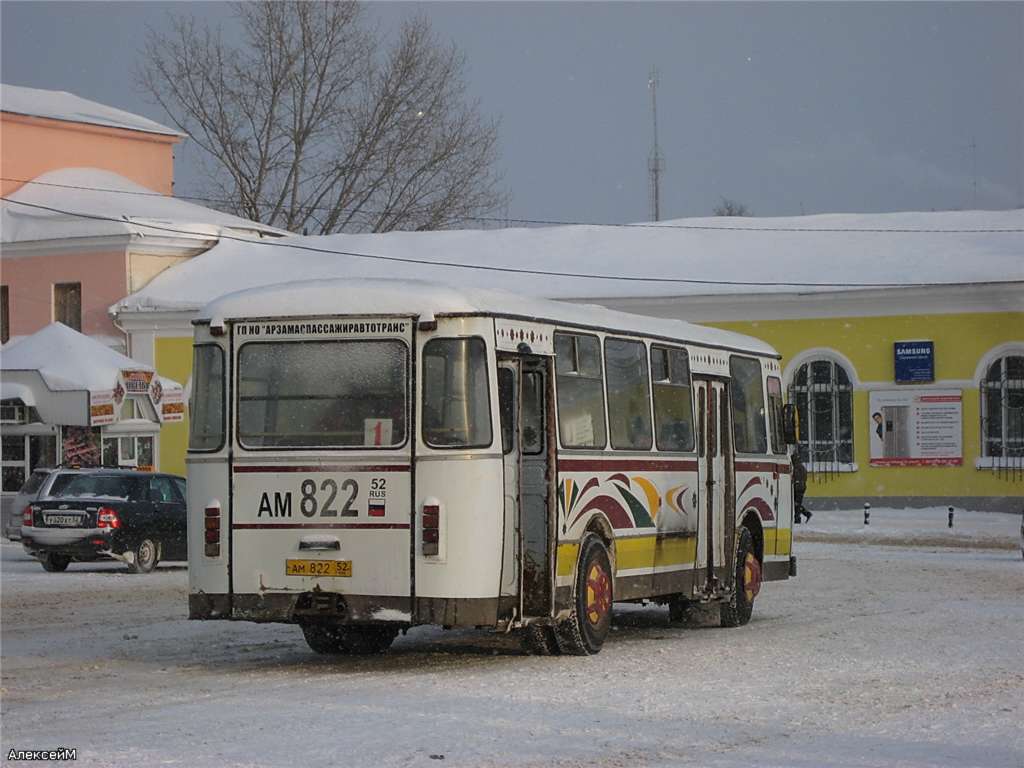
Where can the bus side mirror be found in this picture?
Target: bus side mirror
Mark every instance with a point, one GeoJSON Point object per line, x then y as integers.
{"type": "Point", "coordinates": [790, 424]}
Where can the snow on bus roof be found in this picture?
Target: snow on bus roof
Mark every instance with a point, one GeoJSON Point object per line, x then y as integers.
{"type": "Point", "coordinates": [898, 249]}
{"type": "Point", "coordinates": [425, 300]}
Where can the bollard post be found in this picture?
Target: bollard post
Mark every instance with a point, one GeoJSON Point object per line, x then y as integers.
{"type": "Point", "coordinates": [867, 513]}
{"type": "Point", "coordinates": [950, 517]}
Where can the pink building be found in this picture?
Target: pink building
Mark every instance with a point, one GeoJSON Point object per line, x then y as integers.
{"type": "Point", "coordinates": [87, 218]}
{"type": "Point", "coordinates": [64, 155]}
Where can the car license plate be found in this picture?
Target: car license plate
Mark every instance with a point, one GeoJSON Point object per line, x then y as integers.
{"type": "Point", "coordinates": [65, 520]}
{"type": "Point", "coordinates": [318, 567]}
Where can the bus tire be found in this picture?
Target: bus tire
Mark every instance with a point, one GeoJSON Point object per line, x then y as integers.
{"type": "Point", "coordinates": [540, 640]}
{"type": "Point", "coordinates": [584, 631]}
{"type": "Point", "coordinates": [746, 584]}
{"type": "Point", "coordinates": [334, 639]}
{"type": "Point", "coordinates": [54, 563]}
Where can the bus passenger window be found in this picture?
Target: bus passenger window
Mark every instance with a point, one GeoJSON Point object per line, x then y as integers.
{"type": "Point", "coordinates": [456, 395]}
{"type": "Point", "coordinates": [629, 398]}
{"type": "Point", "coordinates": [580, 391]}
{"type": "Point", "coordinates": [206, 407]}
{"type": "Point", "coordinates": [673, 399]}
{"type": "Point", "coordinates": [748, 409]}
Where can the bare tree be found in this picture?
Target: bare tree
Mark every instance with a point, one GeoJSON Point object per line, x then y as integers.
{"type": "Point", "coordinates": [313, 124]}
{"type": "Point", "coordinates": [730, 207]}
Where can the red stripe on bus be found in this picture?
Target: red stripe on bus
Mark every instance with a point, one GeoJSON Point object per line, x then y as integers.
{"type": "Point", "coordinates": [324, 468]}
{"type": "Point", "coordinates": [625, 465]}
{"type": "Point", "coordinates": [294, 526]}
{"type": "Point", "coordinates": [762, 466]}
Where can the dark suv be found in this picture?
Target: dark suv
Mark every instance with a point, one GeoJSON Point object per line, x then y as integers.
{"type": "Point", "coordinates": [136, 517]}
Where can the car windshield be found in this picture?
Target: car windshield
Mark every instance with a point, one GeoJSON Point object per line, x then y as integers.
{"type": "Point", "coordinates": [107, 486]}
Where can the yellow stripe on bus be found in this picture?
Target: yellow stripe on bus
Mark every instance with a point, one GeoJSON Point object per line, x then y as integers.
{"type": "Point", "coordinates": [778, 541]}
{"type": "Point", "coordinates": [566, 558]}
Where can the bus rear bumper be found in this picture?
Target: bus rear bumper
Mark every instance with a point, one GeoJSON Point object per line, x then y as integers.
{"type": "Point", "coordinates": [296, 607]}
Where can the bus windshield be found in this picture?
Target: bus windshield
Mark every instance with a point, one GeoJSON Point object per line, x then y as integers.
{"type": "Point", "coordinates": [313, 394]}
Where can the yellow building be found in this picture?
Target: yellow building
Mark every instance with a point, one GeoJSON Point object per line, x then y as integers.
{"type": "Point", "coordinates": [902, 335]}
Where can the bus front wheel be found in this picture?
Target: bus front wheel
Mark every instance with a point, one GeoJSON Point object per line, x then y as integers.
{"type": "Point", "coordinates": [327, 638]}
{"type": "Point", "coordinates": [584, 632]}
{"type": "Point", "coordinates": [746, 584]}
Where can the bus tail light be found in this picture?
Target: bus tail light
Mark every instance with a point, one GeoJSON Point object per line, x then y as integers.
{"type": "Point", "coordinates": [431, 529]}
{"type": "Point", "coordinates": [26, 516]}
{"type": "Point", "coordinates": [211, 532]}
{"type": "Point", "coordinates": [107, 518]}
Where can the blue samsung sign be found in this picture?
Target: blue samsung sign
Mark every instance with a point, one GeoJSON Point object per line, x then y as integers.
{"type": "Point", "coordinates": [915, 361]}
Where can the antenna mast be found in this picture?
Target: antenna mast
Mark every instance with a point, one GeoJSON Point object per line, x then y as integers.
{"type": "Point", "coordinates": [655, 162]}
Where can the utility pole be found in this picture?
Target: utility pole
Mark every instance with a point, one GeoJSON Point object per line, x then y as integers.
{"type": "Point", "coordinates": [655, 162]}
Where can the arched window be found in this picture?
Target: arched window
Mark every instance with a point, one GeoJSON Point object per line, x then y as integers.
{"type": "Point", "coordinates": [823, 395]}
{"type": "Point", "coordinates": [1002, 407]}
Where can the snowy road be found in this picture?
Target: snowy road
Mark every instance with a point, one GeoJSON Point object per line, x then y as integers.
{"type": "Point", "coordinates": [874, 656]}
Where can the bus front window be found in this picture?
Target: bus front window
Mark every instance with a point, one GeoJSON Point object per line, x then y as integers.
{"type": "Point", "coordinates": [456, 400]}
{"type": "Point", "coordinates": [322, 394]}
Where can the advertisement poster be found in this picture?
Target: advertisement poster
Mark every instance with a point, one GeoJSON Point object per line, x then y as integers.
{"type": "Point", "coordinates": [916, 427]}
{"type": "Point", "coordinates": [80, 447]}
{"type": "Point", "coordinates": [101, 408]}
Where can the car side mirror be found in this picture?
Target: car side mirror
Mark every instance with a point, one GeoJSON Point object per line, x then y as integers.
{"type": "Point", "coordinates": [790, 424]}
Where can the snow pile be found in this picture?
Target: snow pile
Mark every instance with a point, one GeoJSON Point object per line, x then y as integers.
{"type": "Point", "coordinates": [92, 197]}
{"type": "Point", "coordinates": [840, 249]}
{"type": "Point", "coordinates": [61, 105]}
{"type": "Point", "coordinates": [69, 361]}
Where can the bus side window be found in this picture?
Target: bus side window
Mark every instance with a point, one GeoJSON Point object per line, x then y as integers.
{"type": "Point", "coordinates": [748, 411]}
{"type": "Point", "coordinates": [775, 414]}
{"type": "Point", "coordinates": [673, 399]}
{"type": "Point", "coordinates": [702, 411]}
{"type": "Point", "coordinates": [629, 394]}
{"type": "Point", "coordinates": [580, 382]}
{"type": "Point", "coordinates": [506, 407]}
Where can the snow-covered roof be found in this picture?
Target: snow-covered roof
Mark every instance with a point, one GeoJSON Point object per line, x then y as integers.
{"type": "Point", "coordinates": [312, 298]}
{"type": "Point", "coordinates": [61, 105]}
{"type": "Point", "coordinates": [67, 360]}
{"type": "Point", "coordinates": [92, 192]}
{"type": "Point", "coordinates": [774, 255]}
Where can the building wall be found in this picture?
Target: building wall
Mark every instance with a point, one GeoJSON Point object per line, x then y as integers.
{"type": "Point", "coordinates": [103, 276]}
{"type": "Point", "coordinates": [30, 146]}
{"type": "Point", "coordinates": [173, 359]}
{"type": "Point", "coordinates": [961, 341]}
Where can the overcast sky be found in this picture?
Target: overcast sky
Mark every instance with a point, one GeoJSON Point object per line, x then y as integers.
{"type": "Point", "coordinates": [789, 108]}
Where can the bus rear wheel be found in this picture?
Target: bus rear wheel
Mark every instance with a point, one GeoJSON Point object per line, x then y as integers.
{"type": "Point", "coordinates": [335, 639]}
{"type": "Point", "coordinates": [584, 632]}
{"type": "Point", "coordinates": [746, 585]}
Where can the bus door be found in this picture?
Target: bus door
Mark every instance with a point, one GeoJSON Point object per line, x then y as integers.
{"type": "Point", "coordinates": [715, 527]}
{"type": "Point", "coordinates": [527, 559]}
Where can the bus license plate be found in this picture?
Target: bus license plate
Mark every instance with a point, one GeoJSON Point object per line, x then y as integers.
{"type": "Point", "coordinates": [318, 567]}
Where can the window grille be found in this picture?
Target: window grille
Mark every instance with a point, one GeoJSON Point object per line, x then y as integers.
{"type": "Point", "coordinates": [823, 395]}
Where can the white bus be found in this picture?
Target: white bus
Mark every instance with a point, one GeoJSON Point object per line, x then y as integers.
{"type": "Point", "coordinates": [370, 455]}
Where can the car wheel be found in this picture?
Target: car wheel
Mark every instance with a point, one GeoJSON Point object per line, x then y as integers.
{"type": "Point", "coordinates": [147, 555]}
{"type": "Point", "coordinates": [55, 563]}
{"type": "Point", "coordinates": [584, 632]}
{"type": "Point", "coordinates": [746, 585]}
{"type": "Point", "coordinates": [334, 639]}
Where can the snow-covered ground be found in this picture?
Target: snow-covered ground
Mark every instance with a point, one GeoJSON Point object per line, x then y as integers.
{"type": "Point", "coordinates": [874, 656]}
